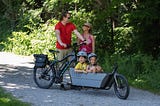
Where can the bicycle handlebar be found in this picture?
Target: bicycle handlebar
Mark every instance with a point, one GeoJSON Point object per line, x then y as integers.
{"type": "Point", "coordinates": [76, 45]}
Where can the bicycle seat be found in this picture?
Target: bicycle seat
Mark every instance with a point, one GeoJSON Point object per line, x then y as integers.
{"type": "Point", "coordinates": [53, 51]}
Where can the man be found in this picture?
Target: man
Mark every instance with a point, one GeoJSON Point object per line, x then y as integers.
{"type": "Point", "coordinates": [63, 31]}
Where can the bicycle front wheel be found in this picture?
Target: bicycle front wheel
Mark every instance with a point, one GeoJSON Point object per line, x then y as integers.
{"type": "Point", "coordinates": [44, 77]}
{"type": "Point", "coordinates": [121, 87]}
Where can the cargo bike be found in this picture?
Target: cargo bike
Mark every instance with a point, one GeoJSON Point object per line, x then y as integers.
{"type": "Point", "coordinates": [48, 72]}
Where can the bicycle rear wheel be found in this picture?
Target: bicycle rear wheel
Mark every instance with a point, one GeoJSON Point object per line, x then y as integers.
{"type": "Point", "coordinates": [121, 87]}
{"type": "Point", "coordinates": [44, 77]}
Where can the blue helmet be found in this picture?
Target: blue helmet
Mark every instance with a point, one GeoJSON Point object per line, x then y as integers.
{"type": "Point", "coordinates": [91, 55]}
{"type": "Point", "coordinates": [81, 53]}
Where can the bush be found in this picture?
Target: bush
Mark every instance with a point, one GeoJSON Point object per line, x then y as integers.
{"type": "Point", "coordinates": [37, 41]}
{"type": "Point", "coordinates": [140, 69]}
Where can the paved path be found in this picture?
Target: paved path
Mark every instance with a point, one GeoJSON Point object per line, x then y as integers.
{"type": "Point", "coordinates": [16, 77]}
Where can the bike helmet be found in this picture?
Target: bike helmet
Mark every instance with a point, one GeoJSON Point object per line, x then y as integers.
{"type": "Point", "coordinates": [81, 53]}
{"type": "Point", "coordinates": [91, 55]}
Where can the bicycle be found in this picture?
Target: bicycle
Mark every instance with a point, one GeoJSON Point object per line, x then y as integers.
{"type": "Point", "coordinates": [48, 72]}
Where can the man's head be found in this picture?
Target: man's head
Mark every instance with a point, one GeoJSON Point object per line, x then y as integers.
{"type": "Point", "coordinates": [65, 16]}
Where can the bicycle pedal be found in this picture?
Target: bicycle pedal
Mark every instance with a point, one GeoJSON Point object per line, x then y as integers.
{"type": "Point", "coordinates": [62, 85]}
{"type": "Point", "coordinates": [69, 83]}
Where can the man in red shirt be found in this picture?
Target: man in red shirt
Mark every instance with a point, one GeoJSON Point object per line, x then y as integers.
{"type": "Point", "coordinates": [63, 31]}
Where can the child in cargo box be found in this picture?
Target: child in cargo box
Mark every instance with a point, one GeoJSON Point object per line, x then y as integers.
{"type": "Point", "coordinates": [81, 65]}
{"type": "Point", "coordinates": [93, 66]}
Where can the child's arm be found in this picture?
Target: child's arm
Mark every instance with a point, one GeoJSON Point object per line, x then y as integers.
{"type": "Point", "coordinates": [78, 69]}
{"type": "Point", "coordinates": [88, 69]}
{"type": "Point", "coordinates": [81, 71]}
{"type": "Point", "coordinates": [99, 69]}
{"type": "Point", "coordinates": [91, 69]}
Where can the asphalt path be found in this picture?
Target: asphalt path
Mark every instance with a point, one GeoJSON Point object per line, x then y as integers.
{"type": "Point", "coordinates": [16, 76]}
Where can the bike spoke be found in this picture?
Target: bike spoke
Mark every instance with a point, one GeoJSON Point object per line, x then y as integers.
{"type": "Point", "coordinates": [43, 77]}
{"type": "Point", "coordinates": [121, 87]}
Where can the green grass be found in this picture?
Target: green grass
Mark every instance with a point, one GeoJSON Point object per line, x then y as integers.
{"type": "Point", "coordinates": [144, 86]}
{"type": "Point", "coordinates": [7, 99]}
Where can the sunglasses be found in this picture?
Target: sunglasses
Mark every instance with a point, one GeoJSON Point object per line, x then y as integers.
{"type": "Point", "coordinates": [86, 26]}
{"type": "Point", "coordinates": [68, 17]}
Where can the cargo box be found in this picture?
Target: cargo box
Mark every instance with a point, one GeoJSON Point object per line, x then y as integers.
{"type": "Point", "coordinates": [97, 80]}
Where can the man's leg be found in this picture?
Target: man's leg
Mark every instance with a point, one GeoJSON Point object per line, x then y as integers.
{"type": "Point", "coordinates": [60, 56]}
{"type": "Point", "coordinates": [68, 52]}
{"type": "Point", "coordinates": [63, 53]}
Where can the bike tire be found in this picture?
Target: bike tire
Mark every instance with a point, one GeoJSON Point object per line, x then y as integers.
{"type": "Point", "coordinates": [122, 89]}
{"type": "Point", "coordinates": [44, 77]}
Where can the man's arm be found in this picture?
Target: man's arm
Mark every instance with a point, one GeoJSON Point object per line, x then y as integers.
{"type": "Point", "coordinates": [57, 32]}
{"type": "Point", "coordinates": [78, 35]}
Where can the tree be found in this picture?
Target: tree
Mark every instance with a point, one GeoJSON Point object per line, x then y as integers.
{"type": "Point", "coordinates": [146, 22]}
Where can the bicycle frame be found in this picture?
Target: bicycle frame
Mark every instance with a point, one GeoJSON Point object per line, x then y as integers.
{"type": "Point", "coordinates": [64, 66]}
{"type": "Point", "coordinates": [112, 78]}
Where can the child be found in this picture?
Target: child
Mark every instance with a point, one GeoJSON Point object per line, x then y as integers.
{"type": "Point", "coordinates": [93, 67]}
{"type": "Point", "coordinates": [81, 65]}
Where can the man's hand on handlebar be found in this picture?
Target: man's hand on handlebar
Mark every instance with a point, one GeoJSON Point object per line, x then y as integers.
{"type": "Point", "coordinates": [63, 44]}
{"type": "Point", "coordinates": [77, 45]}
{"type": "Point", "coordinates": [85, 42]}
{"type": "Point", "coordinates": [82, 43]}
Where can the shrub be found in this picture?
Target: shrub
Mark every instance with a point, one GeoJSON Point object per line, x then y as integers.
{"type": "Point", "coordinates": [37, 41]}
{"type": "Point", "coordinates": [141, 70]}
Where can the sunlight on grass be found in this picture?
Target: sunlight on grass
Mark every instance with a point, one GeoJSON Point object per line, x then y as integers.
{"type": "Point", "coordinates": [7, 99]}
{"type": "Point", "coordinates": [138, 82]}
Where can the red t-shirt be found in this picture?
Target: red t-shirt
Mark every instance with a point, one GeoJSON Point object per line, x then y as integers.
{"type": "Point", "coordinates": [65, 33]}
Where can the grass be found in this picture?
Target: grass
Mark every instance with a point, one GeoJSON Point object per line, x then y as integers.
{"type": "Point", "coordinates": [140, 84]}
{"type": "Point", "coordinates": [6, 99]}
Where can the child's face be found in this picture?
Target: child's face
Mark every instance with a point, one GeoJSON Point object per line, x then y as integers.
{"type": "Point", "coordinates": [82, 59]}
{"type": "Point", "coordinates": [93, 60]}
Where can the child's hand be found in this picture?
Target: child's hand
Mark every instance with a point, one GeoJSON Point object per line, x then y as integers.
{"type": "Point", "coordinates": [84, 71]}
{"type": "Point", "coordinates": [93, 69]}
{"type": "Point", "coordinates": [89, 71]}
{"type": "Point", "coordinates": [99, 69]}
